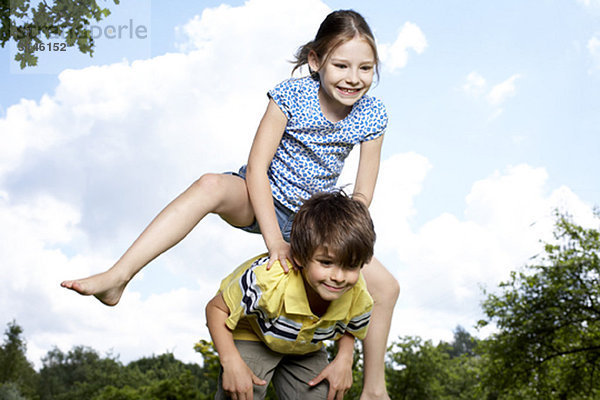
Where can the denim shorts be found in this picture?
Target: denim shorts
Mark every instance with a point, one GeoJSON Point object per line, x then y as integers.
{"type": "Point", "coordinates": [284, 215]}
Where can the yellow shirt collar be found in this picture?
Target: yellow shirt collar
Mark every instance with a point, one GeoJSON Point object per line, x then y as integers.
{"type": "Point", "coordinates": [296, 301]}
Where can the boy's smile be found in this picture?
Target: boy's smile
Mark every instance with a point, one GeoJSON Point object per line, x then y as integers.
{"type": "Point", "coordinates": [326, 281]}
{"type": "Point", "coordinates": [345, 75]}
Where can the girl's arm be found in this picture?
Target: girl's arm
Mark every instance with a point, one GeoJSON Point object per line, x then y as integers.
{"type": "Point", "coordinates": [368, 168]}
{"type": "Point", "coordinates": [266, 141]}
{"type": "Point", "coordinates": [238, 378]}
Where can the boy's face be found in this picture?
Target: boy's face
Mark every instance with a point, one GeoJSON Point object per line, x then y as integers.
{"type": "Point", "coordinates": [326, 279]}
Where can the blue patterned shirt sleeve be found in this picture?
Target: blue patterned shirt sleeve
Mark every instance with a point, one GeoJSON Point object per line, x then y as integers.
{"type": "Point", "coordinates": [284, 95]}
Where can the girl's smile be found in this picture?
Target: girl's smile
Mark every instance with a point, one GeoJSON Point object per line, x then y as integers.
{"type": "Point", "coordinates": [346, 74]}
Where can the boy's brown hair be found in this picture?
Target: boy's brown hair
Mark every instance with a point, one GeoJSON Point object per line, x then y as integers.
{"type": "Point", "coordinates": [336, 222]}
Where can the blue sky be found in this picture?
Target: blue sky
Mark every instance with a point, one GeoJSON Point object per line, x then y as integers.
{"type": "Point", "coordinates": [494, 114]}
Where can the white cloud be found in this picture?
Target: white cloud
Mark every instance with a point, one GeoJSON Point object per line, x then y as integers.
{"type": "Point", "coordinates": [477, 87]}
{"type": "Point", "coordinates": [206, 32]}
{"type": "Point", "coordinates": [589, 3]}
{"type": "Point", "coordinates": [395, 56]}
{"type": "Point", "coordinates": [593, 46]}
{"type": "Point", "coordinates": [503, 91]}
{"type": "Point", "coordinates": [17, 138]}
{"type": "Point", "coordinates": [475, 84]}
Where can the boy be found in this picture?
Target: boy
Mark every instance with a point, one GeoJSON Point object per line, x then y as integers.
{"type": "Point", "coordinates": [267, 324]}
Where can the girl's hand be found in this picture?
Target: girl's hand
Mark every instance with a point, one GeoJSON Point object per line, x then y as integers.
{"type": "Point", "coordinates": [282, 252]}
{"type": "Point", "coordinates": [239, 381]}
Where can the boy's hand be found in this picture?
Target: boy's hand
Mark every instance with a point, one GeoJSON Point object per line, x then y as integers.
{"type": "Point", "coordinates": [282, 252]}
{"type": "Point", "coordinates": [339, 375]}
{"type": "Point", "coordinates": [239, 381]}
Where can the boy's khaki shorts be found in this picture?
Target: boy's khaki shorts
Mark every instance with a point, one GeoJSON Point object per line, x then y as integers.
{"type": "Point", "coordinates": [289, 373]}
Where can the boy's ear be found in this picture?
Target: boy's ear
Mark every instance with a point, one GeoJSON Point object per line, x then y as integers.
{"type": "Point", "coordinates": [298, 264]}
{"type": "Point", "coordinates": [313, 61]}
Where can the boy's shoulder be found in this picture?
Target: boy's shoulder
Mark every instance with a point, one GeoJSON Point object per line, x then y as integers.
{"type": "Point", "coordinates": [253, 272]}
{"type": "Point", "coordinates": [259, 265]}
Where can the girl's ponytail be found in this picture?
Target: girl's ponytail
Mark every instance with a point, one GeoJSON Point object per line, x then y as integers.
{"type": "Point", "coordinates": [301, 56]}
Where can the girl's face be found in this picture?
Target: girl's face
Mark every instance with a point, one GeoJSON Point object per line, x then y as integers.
{"type": "Point", "coordinates": [345, 75]}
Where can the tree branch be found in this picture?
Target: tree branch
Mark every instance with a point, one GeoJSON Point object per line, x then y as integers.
{"type": "Point", "coordinates": [573, 351]}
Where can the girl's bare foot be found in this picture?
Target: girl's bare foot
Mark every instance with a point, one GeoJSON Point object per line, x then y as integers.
{"type": "Point", "coordinates": [105, 286]}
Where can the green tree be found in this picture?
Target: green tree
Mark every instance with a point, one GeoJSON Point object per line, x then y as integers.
{"type": "Point", "coordinates": [28, 25]}
{"type": "Point", "coordinates": [420, 369]}
{"type": "Point", "coordinates": [164, 366]}
{"type": "Point", "coordinates": [79, 374]}
{"type": "Point", "coordinates": [16, 372]}
{"type": "Point", "coordinates": [168, 378]}
{"type": "Point", "coordinates": [83, 374]}
{"type": "Point", "coordinates": [10, 391]}
{"type": "Point", "coordinates": [548, 320]}
{"type": "Point", "coordinates": [447, 371]}
{"type": "Point", "coordinates": [463, 343]}
{"type": "Point", "coordinates": [184, 386]}
{"type": "Point", "coordinates": [211, 367]}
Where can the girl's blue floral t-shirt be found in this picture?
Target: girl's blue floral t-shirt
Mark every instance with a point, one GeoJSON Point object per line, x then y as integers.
{"type": "Point", "coordinates": [312, 151]}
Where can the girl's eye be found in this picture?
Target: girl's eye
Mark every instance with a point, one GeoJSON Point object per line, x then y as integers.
{"type": "Point", "coordinates": [366, 67]}
{"type": "Point", "coordinates": [340, 65]}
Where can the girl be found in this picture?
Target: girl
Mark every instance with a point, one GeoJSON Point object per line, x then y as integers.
{"type": "Point", "coordinates": [308, 129]}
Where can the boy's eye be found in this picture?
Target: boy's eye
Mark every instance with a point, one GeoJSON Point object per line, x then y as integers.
{"type": "Point", "coordinates": [325, 262]}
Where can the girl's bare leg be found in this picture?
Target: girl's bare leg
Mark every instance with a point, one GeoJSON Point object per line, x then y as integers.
{"type": "Point", "coordinates": [221, 194]}
{"type": "Point", "coordinates": [384, 289]}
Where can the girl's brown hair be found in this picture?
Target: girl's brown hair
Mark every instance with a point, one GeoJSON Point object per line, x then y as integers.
{"type": "Point", "coordinates": [338, 27]}
{"type": "Point", "coordinates": [337, 223]}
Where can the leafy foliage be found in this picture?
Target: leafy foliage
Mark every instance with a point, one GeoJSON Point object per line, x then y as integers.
{"type": "Point", "coordinates": [83, 374]}
{"type": "Point", "coordinates": [548, 316]}
{"type": "Point", "coordinates": [10, 391]}
{"type": "Point", "coordinates": [80, 373]}
{"type": "Point", "coordinates": [17, 376]}
{"type": "Point", "coordinates": [210, 367]}
{"type": "Point", "coordinates": [28, 25]}
{"type": "Point", "coordinates": [420, 370]}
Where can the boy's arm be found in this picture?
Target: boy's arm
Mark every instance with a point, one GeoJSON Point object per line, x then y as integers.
{"type": "Point", "coordinates": [339, 371]}
{"type": "Point", "coordinates": [238, 378]}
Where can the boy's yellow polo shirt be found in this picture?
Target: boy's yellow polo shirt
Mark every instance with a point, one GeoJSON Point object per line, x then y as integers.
{"type": "Point", "coordinates": [272, 307]}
